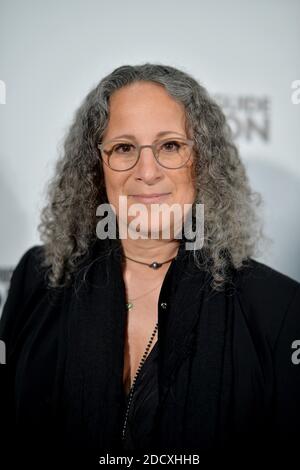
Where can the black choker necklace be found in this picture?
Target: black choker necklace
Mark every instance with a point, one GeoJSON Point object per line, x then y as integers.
{"type": "Point", "coordinates": [154, 265]}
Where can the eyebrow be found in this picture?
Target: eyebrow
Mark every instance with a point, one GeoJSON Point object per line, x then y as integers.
{"type": "Point", "coordinates": [159, 134]}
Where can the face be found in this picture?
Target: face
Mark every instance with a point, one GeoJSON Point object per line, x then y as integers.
{"type": "Point", "coordinates": [143, 110]}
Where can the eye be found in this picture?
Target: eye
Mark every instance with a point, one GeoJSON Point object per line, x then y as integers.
{"type": "Point", "coordinates": [171, 146]}
{"type": "Point", "coordinates": [123, 148]}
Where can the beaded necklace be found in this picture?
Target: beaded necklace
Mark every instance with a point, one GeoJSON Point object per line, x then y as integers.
{"type": "Point", "coordinates": [131, 391]}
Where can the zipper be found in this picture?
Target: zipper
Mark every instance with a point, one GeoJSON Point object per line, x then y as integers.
{"type": "Point", "coordinates": [132, 388]}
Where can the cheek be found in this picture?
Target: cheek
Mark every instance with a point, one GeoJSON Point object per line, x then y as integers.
{"type": "Point", "coordinates": [113, 186]}
{"type": "Point", "coordinates": [185, 185]}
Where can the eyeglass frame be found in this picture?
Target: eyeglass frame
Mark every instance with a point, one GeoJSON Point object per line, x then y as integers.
{"type": "Point", "coordinates": [153, 146]}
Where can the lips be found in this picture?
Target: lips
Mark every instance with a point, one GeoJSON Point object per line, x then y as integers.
{"type": "Point", "coordinates": [154, 197]}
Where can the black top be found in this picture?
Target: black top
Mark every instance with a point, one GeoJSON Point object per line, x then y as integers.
{"type": "Point", "coordinates": [143, 406]}
{"type": "Point", "coordinates": [228, 372]}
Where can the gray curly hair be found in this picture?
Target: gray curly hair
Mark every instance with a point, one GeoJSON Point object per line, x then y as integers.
{"type": "Point", "coordinates": [232, 227]}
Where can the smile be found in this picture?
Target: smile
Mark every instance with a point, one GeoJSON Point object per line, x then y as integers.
{"type": "Point", "coordinates": [150, 198]}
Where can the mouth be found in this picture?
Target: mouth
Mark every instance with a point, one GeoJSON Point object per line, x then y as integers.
{"type": "Point", "coordinates": [150, 198]}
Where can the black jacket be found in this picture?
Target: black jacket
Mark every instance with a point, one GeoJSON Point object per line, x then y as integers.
{"type": "Point", "coordinates": [229, 378]}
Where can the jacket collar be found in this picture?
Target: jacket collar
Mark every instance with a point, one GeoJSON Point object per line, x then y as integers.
{"type": "Point", "coordinates": [95, 310]}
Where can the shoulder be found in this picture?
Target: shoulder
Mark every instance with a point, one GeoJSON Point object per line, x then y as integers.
{"type": "Point", "coordinates": [27, 280]}
{"type": "Point", "coordinates": [257, 278]}
{"type": "Point", "coordinates": [29, 270]}
{"type": "Point", "coordinates": [267, 296]}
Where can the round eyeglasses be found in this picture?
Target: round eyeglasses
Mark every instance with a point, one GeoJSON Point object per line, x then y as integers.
{"type": "Point", "coordinates": [171, 153]}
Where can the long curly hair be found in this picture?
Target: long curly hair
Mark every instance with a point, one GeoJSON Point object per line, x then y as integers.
{"type": "Point", "coordinates": [232, 226]}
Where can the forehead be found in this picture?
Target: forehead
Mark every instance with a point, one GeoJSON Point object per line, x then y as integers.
{"type": "Point", "coordinates": [143, 102]}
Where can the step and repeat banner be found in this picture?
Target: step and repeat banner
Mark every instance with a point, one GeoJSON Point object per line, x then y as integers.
{"type": "Point", "coordinates": [246, 55]}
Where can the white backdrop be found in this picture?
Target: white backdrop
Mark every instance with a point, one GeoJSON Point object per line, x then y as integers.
{"type": "Point", "coordinates": [246, 54]}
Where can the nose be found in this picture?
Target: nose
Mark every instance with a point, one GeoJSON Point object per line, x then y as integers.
{"type": "Point", "coordinates": [147, 168]}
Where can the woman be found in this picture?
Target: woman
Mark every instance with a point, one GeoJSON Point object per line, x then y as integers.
{"type": "Point", "coordinates": [127, 344]}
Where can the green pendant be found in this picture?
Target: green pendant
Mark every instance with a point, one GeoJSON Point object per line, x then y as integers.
{"type": "Point", "coordinates": [129, 305]}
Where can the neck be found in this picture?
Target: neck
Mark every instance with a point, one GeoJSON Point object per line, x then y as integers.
{"type": "Point", "coordinates": [150, 250]}
{"type": "Point", "coordinates": [147, 251]}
